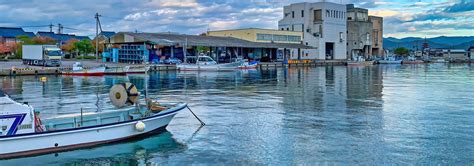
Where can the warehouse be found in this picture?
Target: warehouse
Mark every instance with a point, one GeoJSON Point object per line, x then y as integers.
{"type": "Point", "coordinates": [127, 47]}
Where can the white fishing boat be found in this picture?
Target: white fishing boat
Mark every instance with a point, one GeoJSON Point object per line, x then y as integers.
{"type": "Point", "coordinates": [390, 60]}
{"type": "Point", "coordinates": [24, 133]}
{"type": "Point", "coordinates": [206, 63]}
{"type": "Point", "coordinates": [359, 61]}
{"type": "Point", "coordinates": [137, 69]}
{"type": "Point", "coordinates": [116, 70]}
{"type": "Point", "coordinates": [79, 70]}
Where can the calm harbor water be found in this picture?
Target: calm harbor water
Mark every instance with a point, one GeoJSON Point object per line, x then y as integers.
{"type": "Point", "coordinates": [345, 115]}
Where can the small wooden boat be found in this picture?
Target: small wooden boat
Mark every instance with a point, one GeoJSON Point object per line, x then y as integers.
{"type": "Point", "coordinates": [24, 133]}
{"type": "Point", "coordinates": [248, 65]}
{"type": "Point", "coordinates": [79, 70]}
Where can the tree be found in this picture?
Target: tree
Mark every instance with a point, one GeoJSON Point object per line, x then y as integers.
{"type": "Point", "coordinates": [69, 46]}
{"type": "Point", "coordinates": [401, 51]}
{"type": "Point", "coordinates": [84, 47]}
{"type": "Point", "coordinates": [42, 40]}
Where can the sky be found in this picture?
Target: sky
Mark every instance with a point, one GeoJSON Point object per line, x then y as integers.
{"type": "Point", "coordinates": [402, 18]}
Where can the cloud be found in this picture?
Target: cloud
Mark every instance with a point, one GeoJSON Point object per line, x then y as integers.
{"type": "Point", "coordinates": [461, 6]}
{"type": "Point", "coordinates": [197, 16]}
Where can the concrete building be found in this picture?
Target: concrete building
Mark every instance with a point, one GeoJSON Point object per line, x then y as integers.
{"type": "Point", "coordinates": [359, 32]}
{"type": "Point", "coordinates": [455, 54]}
{"type": "Point", "coordinates": [377, 36]}
{"type": "Point", "coordinates": [323, 25]}
{"type": "Point", "coordinates": [261, 35]}
{"type": "Point", "coordinates": [470, 52]}
{"type": "Point", "coordinates": [268, 36]}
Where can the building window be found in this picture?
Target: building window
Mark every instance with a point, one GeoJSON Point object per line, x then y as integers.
{"type": "Point", "coordinates": [293, 14]}
{"type": "Point", "coordinates": [318, 15]}
{"type": "Point", "coordinates": [327, 13]}
{"type": "Point", "coordinates": [264, 37]}
{"type": "Point", "coordinates": [288, 29]}
{"type": "Point", "coordinates": [302, 13]}
{"type": "Point", "coordinates": [292, 27]}
{"type": "Point", "coordinates": [280, 38]}
{"type": "Point", "coordinates": [282, 29]}
{"type": "Point", "coordinates": [292, 38]}
{"type": "Point", "coordinates": [302, 27]}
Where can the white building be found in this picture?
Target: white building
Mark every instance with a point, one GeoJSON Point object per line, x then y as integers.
{"type": "Point", "coordinates": [323, 25]}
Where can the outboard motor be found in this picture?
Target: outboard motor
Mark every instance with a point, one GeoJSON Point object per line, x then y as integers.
{"type": "Point", "coordinates": [15, 118]}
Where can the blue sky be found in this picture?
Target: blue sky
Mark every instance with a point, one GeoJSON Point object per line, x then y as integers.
{"type": "Point", "coordinates": [403, 18]}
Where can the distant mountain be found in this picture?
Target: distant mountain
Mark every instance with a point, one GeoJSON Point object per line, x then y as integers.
{"type": "Point", "coordinates": [413, 43]}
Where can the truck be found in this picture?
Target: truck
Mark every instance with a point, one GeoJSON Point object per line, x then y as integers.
{"type": "Point", "coordinates": [42, 55]}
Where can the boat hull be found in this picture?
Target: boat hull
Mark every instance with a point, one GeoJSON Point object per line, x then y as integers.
{"type": "Point", "coordinates": [413, 62]}
{"type": "Point", "coordinates": [85, 72]}
{"type": "Point", "coordinates": [69, 139]}
{"type": "Point", "coordinates": [364, 63]}
{"type": "Point", "coordinates": [389, 62]}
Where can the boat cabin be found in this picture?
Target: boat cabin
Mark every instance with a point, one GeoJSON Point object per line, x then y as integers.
{"type": "Point", "coordinates": [15, 118]}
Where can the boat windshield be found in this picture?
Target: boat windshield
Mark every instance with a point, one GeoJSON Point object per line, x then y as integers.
{"type": "Point", "coordinates": [205, 59]}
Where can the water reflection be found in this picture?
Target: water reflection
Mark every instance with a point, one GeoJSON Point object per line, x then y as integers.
{"type": "Point", "coordinates": [335, 114]}
{"type": "Point", "coordinates": [149, 150]}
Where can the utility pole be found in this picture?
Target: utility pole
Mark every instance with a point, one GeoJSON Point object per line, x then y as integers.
{"type": "Point", "coordinates": [50, 27]}
{"type": "Point", "coordinates": [60, 28]}
{"type": "Point", "coordinates": [97, 25]}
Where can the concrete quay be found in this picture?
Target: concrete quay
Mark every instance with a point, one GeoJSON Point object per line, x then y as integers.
{"type": "Point", "coordinates": [17, 68]}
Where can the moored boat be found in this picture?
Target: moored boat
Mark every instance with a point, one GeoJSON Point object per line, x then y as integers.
{"type": "Point", "coordinates": [206, 63]}
{"type": "Point", "coordinates": [24, 133]}
{"type": "Point", "coordinates": [389, 60]}
{"type": "Point", "coordinates": [412, 60]}
{"type": "Point", "coordinates": [116, 70]}
{"type": "Point", "coordinates": [359, 61]}
{"type": "Point", "coordinates": [79, 70]}
{"type": "Point", "coordinates": [137, 69]}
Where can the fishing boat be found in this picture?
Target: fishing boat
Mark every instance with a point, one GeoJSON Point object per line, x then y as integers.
{"type": "Point", "coordinates": [440, 60]}
{"type": "Point", "coordinates": [412, 60]}
{"type": "Point", "coordinates": [359, 61]}
{"type": "Point", "coordinates": [24, 133]}
{"type": "Point", "coordinates": [79, 70]}
{"type": "Point", "coordinates": [137, 69]}
{"type": "Point", "coordinates": [390, 60]}
{"type": "Point", "coordinates": [248, 65]}
{"type": "Point", "coordinates": [116, 70]}
{"type": "Point", "coordinates": [206, 63]}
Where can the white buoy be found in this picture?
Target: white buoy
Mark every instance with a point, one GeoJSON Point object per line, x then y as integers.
{"type": "Point", "coordinates": [140, 126]}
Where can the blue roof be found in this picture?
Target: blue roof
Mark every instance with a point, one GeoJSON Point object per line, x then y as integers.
{"type": "Point", "coordinates": [14, 32]}
{"type": "Point", "coordinates": [62, 37]}
{"type": "Point", "coordinates": [107, 34]}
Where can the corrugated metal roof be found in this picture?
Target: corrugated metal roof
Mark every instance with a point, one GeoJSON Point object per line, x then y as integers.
{"type": "Point", "coordinates": [12, 32]}
{"type": "Point", "coordinates": [194, 40]}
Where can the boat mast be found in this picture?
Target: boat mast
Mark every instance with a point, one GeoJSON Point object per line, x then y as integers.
{"type": "Point", "coordinates": [146, 73]}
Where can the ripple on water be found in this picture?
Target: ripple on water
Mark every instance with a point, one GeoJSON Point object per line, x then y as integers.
{"type": "Point", "coordinates": [369, 115]}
